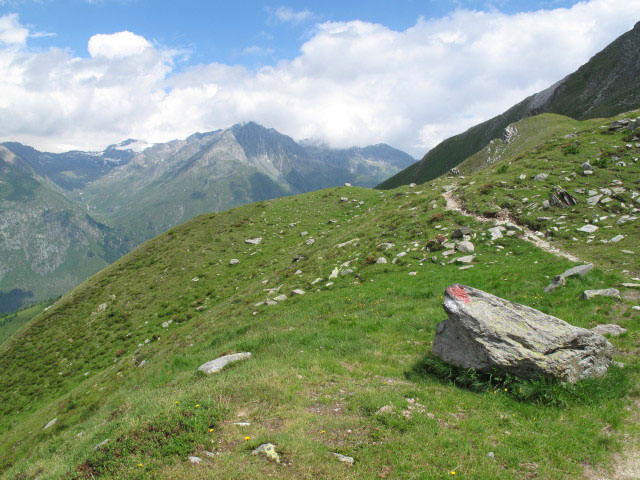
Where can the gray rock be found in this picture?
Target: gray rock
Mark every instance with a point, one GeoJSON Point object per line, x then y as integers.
{"type": "Point", "coordinates": [234, 261]}
{"type": "Point", "coordinates": [467, 259]}
{"type": "Point", "coordinates": [616, 239]}
{"type": "Point", "coordinates": [194, 459]}
{"type": "Point", "coordinates": [304, 234]}
{"type": "Point", "coordinates": [586, 166]}
{"type": "Point", "coordinates": [496, 233]}
{"type": "Point", "coordinates": [594, 199]}
{"type": "Point", "coordinates": [381, 260]}
{"type": "Point", "coordinates": [311, 241]}
{"type": "Point", "coordinates": [465, 247]}
{"type": "Point", "coordinates": [386, 245]}
{"type": "Point", "coordinates": [297, 258]}
{"type": "Point", "coordinates": [460, 232]}
{"type": "Point", "coordinates": [588, 228]}
{"type": "Point", "coordinates": [631, 285]}
{"type": "Point", "coordinates": [562, 199]}
{"type": "Point", "coordinates": [297, 291]}
{"type": "Point", "coordinates": [347, 184]}
{"type": "Point", "coordinates": [219, 363]}
{"type": "Point", "coordinates": [344, 199]}
{"type": "Point", "coordinates": [343, 458]}
{"type": "Point", "coordinates": [102, 444]}
{"type": "Point", "coordinates": [269, 451]}
{"type": "Point", "coordinates": [334, 273]}
{"type": "Point", "coordinates": [561, 279]}
{"type": "Point", "coordinates": [541, 177]}
{"type": "Point", "coordinates": [50, 424]}
{"type": "Point", "coordinates": [486, 332]}
{"type": "Point", "coordinates": [280, 298]}
{"type": "Point", "coordinates": [609, 329]}
{"type": "Point", "coordinates": [605, 292]}
{"type": "Point", "coordinates": [546, 204]}
{"type": "Point", "coordinates": [254, 241]}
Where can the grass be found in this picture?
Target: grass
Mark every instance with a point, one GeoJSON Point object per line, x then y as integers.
{"type": "Point", "coordinates": [11, 322]}
{"type": "Point", "coordinates": [324, 364]}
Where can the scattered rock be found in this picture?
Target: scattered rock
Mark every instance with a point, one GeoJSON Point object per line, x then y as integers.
{"type": "Point", "coordinates": [465, 247]}
{"type": "Point", "coordinates": [344, 458]}
{"type": "Point", "coordinates": [347, 184]}
{"type": "Point", "coordinates": [311, 241]}
{"type": "Point", "coordinates": [350, 242]}
{"type": "Point", "coordinates": [386, 245]}
{"type": "Point", "coordinates": [609, 329]}
{"type": "Point", "coordinates": [344, 199]}
{"type": "Point", "coordinates": [280, 298]}
{"type": "Point", "coordinates": [304, 234]}
{"type": "Point", "coordinates": [561, 279]}
{"type": "Point", "coordinates": [297, 291]}
{"type": "Point", "coordinates": [594, 199]}
{"type": "Point", "coordinates": [562, 199]}
{"type": "Point", "coordinates": [541, 177]}
{"type": "Point", "coordinates": [616, 239]}
{"type": "Point", "coordinates": [385, 409]}
{"type": "Point", "coordinates": [631, 285]}
{"type": "Point", "coordinates": [381, 260]}
{"type": "Point", "coordinates": [486, 332]}
{"type": "Point", "coordinates": [297, 258]}
{"type": "Point", "coordinates": [605, 292]}
{"type": "Point", "coordinates": [460, 232]}
{"type": "Point", "coordinates": [588, 228]}
{"type": "Point", "coordinates": [50, 424]}
{"type": "Point", "coordinates": [234, 261]}
{"type": "Point", "coordinates": [219, 363]}
{"type": "Point", "coordinates": [467, 259]}
{"type": "Point", "coordinates": [254, 241]}
{"type": "Point", "coordinates": [334, 273]}
{"type": "Point", "coordinates": [496, 233]}
{"type": "Point", "coordinates": [194, 459]}
{"type": "Point", "coordinates": [586, 167]}
{"type": "Point", "coordinates": [102, 444]}
{"type": "Point", "coordinates": [269, 451]}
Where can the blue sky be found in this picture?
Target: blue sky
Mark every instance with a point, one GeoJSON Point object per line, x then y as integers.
{"type": "Point", "coordinates": [87, 73]}
{"type": "Point", "coordinates": [250, 32]}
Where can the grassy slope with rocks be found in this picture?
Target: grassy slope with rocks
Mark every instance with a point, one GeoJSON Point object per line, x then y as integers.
{"type": "Point", "coordinates": [129, 402]}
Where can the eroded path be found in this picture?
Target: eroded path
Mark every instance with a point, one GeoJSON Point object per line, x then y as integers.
{"type": "Point", "coordinates": [527, 234]}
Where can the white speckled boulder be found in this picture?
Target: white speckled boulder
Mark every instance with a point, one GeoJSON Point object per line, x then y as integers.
{"type": "Point", "coordinates": [489, 333]}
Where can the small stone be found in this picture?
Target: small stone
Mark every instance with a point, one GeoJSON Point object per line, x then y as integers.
{"type": "Point", "coordinates": [102, 444]}
{"type": "Point", "coordinates": [343, 458]}
{"type": "Point", "coordinates": [50, 424]}
{"type": "Point", "coordinates": [193, 459]}
{"type": "Point", "coordinates": [165, 324]}
{"type": "Point", "coordinates": [586, 167]}
{"type": "Point", "coordinates": [467, 259]}
{"type": "Point", "coordinates": [466, 267]}
{"type": "Point", "coordinates": [347, 184]}
{"type": "Point", "coordinates": [605, 292]}
{"type": "Point", "coordinates": [269, 451]}
{"type": "Point", "coordinates": [460, 232]}
{"type": "Point", "coordinates": [491, 455]}
{"type": "Point", "coordinates": [609, 329]}
{"type": "Point", "coordinates": [311, 241]}
{"type": "Point", "coordinates": [234, 261]}
{"type": "Point", "coordinates": [334, 273]}
{"type": "Point", "coordinates": [280, 298]}
{"type": "Point", "coordinates": [465, 247]}
{"type": "Point", "coordinates": [344, 199]}
{"type": "Point", "coordinates": [381, 260]}
{"type": "Point", "coordinates": [254, 241]}
{"type": "Point", "coordinates": [495, 232]}
{"type": "Point", "coordinates": [297, 291]}
{"type": "Point", "coordinates": [631, 285]}
{"type": "Point", "coordinates": [588, 228]}
{"type": "Point", "coordinates": [413, 273]}
{"type": "Point", "coordinates": [219, 363]}
{"type": "Point", "coordinates": [541, 177]}
{"type": "Point", "coordinates": [616, 239]}
{"type": "Point", "coordinates": [304, 234]}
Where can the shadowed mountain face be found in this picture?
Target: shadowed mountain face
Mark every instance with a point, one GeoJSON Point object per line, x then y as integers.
{"type": "Point", "coordinates": [65, 216]}
{"type": "Point", "coordinates": [606, 85]}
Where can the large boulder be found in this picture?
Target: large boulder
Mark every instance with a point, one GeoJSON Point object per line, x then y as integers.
{"type": "Point", "coordinates": [489, 333]}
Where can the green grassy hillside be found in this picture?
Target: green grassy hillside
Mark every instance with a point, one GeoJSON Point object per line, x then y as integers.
{"type": "Point", "coordinates": [115, 360]}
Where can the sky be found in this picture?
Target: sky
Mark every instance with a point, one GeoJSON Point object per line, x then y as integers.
{"type": "Point", "coordinates": [83, 74]}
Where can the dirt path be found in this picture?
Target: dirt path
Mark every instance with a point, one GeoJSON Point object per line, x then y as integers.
{"type": "Point", "coordinates": [527, 234]}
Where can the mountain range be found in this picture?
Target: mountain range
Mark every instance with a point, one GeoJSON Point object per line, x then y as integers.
{"type": "Point", "coordinates": [65, 216]}
{"type": "Point", "coordinates": [606, 85]}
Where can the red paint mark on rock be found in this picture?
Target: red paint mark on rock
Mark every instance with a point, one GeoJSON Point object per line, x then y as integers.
{"type": "Point", "coordinates": [458, 291]}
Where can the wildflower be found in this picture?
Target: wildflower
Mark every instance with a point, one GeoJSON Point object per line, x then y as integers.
{"type": "Point", "coordinates": [197, 405]}
{"type": "Point", "coordinates": [139, 465]}
{"type": "Point", "coordinates": [210, 430]}
{"type": "Point", "coordinates": [452, 472]}
{"type": "Point", "coordinates": [247, 438]}
{"type": "Point", "coordinates": [177, 403]}
{"type": "Point", "coordinates": [506, 389]}
{"type": "Point", "coordinates": [323, 431]}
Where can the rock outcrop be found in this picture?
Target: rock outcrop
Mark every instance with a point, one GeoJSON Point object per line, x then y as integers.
{"type": "Point", "coordinates": [219, 363]}
{"type": "Point", "coordinates": [489, 333]}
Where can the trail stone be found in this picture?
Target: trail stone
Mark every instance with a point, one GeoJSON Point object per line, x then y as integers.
{"type": "Point", "coordinates": [588, 228]}
{"type": "Point", "coordinates": [269, 451]}
{"type": "Point", "coordinates": [381, 260]}
{"type": "Point", "coordinates": [344, 458]}
{"type": "Point", "coordinates": [465, 247]}
{"type": "Point", "coordinates": [254, 241]}
{"type": "Point", "coordinates": [609, 329]}
{"type": "Point", "coordinates": [50, 424]}
{"type": "Point", "coordinates": [605, 292]}
{"type": "Point", "coordinates": [486, 332]}
{"type": "Point", "coordinates": [234, 261]}
{"type": "Point", "coordinates": [559, 280]}
{"type": "Point", "coordinates": [219, 363]}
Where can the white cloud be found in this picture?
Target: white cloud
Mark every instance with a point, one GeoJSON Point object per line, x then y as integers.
{"type": "Point", "coordinates": [11, 32]}
{"type": "Point", "coordinates": [353, 83]}
{"type": "Point", "coordinates": [258, 50]}
{"type": "Point", "coordinates": [289, 15]}
{"type": "Point", "coordinates": [120, 44]}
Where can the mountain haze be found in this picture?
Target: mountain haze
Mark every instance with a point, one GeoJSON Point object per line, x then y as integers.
{"type": "Point", "coordinates": [606, 85]}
